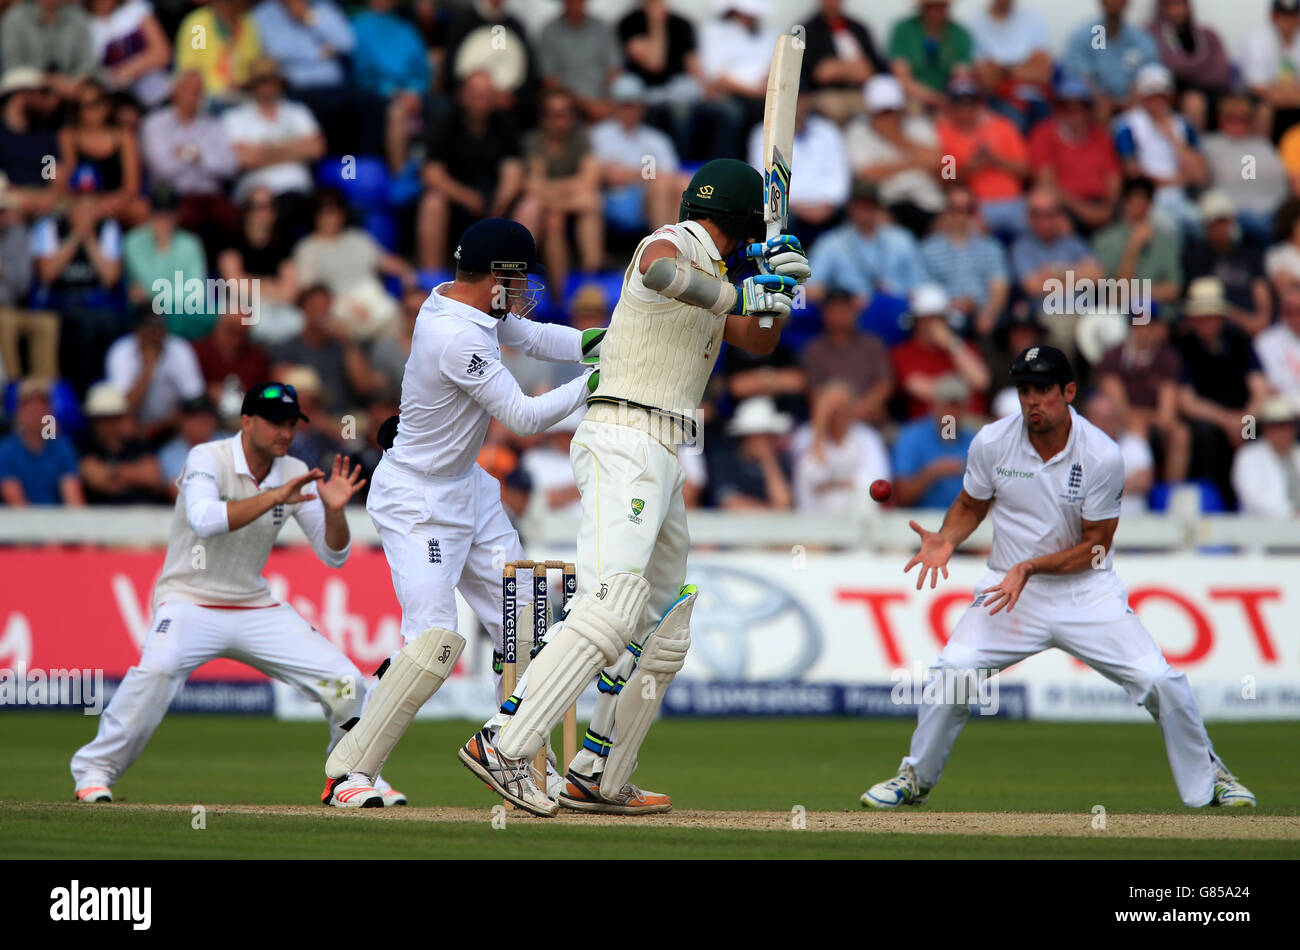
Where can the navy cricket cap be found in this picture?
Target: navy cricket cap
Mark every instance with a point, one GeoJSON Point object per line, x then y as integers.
{"type": "Point", "coordinates": [1042, 364]}
{"type": "Point", "coordinates": [274, 401]}
{"type": "Point", "coordinates": [497, 244]}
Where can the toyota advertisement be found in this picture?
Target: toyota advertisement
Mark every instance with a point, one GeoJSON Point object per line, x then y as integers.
{"type": "Point", "coordinates": [772, 634]}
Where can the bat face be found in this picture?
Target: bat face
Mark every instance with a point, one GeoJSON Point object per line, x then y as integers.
{"type": "Point", "coordinates": [778, 130]}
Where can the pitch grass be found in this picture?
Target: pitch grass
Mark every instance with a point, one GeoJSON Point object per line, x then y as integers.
{"type": "Point", "coordinates": [731, 764]}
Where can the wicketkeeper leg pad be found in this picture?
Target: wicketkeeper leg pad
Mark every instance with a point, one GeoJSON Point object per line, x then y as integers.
{"type": "Point", "coordinates": [598, 626]}
{"type": "Point", "coordinates": [418, 670]}
{"type": "Point", "coordinates": [638, 702]}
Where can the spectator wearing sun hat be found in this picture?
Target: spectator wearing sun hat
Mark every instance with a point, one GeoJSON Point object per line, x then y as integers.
{"type": "Point", "coordinates": [117, 467]}
{"type": "Point", "coordinates": [1266, 471]}
{"type": "Point", "coordinates": [1221, 251]}
{"type": "Point", "coordinates": [749, 471]}
{"type": "Point", "coordinates": [898, 153]}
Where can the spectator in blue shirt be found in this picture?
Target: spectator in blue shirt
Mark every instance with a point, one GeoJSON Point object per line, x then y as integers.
{"type": "Point", "coordinates": [1051, 252]}
{"type": "Point", "coordinates": [38, 465]}
{"type": "Point", "coordinates": [391, 63]}
{"type": "Point", "coordinates": [309, 40]}
{"type": "Point", "coordinates": [969, 265]}
{"type": "Point", "coordinates": [866, 255]}
{"type": "Point", "coordinates": [1107, 53]}
{"type": "Point", "coordinates": [930, 452]}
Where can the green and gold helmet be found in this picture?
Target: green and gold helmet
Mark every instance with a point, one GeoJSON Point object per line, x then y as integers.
{"type": "Point", "coordinates": [731, 193]}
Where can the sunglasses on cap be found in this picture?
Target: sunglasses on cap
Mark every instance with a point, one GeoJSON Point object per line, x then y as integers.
{"type": "Point", "coordinates": [278, 390]}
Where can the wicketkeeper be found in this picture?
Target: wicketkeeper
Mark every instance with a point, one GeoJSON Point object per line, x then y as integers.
{"type": "Point", "coordinates": [438, 512]}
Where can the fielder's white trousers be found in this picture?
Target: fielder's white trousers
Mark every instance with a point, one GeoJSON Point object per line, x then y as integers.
{"type": "Point", "coordinates": [1094, 623]}
{"type": "Point", "coordinates": [184, 636]}
{"type": "Point", "coordinates": [440, 535]}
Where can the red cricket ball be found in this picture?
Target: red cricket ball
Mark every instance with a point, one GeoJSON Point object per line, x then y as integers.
{"type": "Point", "coordinates": [881, 490]}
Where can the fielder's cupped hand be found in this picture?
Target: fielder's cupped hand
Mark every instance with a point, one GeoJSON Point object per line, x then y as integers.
{"type": "Point", "coordinates": [933, 556]}
{"type": "Point", "coordinates": [343, 483]}
{"type": "Point", "coordinates": [291, 493]}
{"type": "Point", "coordinates": [1007, 591]}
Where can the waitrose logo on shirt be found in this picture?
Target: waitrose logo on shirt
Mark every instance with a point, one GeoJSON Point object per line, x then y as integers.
{"type": "Point", "coordinates": [1013, 473]}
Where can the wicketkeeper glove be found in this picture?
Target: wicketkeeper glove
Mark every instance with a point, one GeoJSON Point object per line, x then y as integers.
{"type": "Point", "coordinates": [387, 433]}
{"type": "Point", "coordinates": [782, 255]}
{"type": "Point", "coordinates": [765, 294]}
{"type": "Point", "coordinates": [591, 340]}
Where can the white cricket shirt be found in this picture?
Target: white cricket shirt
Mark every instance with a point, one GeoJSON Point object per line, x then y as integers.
{"type": "Point", "coordinates": [455, 382]}
{"type": "Point", "coordinates": [207, 563]}
{"type": "Point", "coordinates": [1039, 507]}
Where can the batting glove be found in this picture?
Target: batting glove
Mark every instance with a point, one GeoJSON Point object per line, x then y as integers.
{"type": "Point", "coordinates": [782, 255]}
{"type": "Point", "coordinates": [766, 294]}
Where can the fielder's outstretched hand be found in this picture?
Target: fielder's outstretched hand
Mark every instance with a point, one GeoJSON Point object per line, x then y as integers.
{"type": "Point", "coordinates": [1007, 591]}
{"type": "Point", "coordinates": [933, 556]}
{"type": "Point", "coordinates": [344, 481]}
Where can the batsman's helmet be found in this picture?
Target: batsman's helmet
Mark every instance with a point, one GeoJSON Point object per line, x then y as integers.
{"type": "Point", "coordinates": [731, 193]}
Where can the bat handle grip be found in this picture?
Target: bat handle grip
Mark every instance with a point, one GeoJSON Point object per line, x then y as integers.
{"type": "Point", "coordinates": [765, 322]}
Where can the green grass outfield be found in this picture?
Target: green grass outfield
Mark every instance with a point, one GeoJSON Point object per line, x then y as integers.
{"type": "Point", "coordinates": [720, 765]}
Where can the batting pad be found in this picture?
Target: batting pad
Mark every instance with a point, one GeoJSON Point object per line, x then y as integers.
{"type": "Point", "coordinates": [415, 675]}
{"type": "Point", "coordinates": [598, 627]}
{"type": "Point", "coordinates": [638, 702]}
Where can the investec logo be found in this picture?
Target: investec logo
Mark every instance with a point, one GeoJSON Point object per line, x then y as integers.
{"type": "Point", "coordinates": [103, 903]}
{"type": "Point", "coordinates": [1013, 473]}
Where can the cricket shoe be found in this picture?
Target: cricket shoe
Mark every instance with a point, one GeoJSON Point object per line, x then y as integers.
{"type": "Point", "coordinates": [392, 797]}
{"type": "Point", "coordinates": [512, 779]}
{"type": "Point", "coordinates": [1230, 793]}
{"type": "Point", "coordinates": [93, 791]}
{"type": "Point", "coordinates": [353, 790]}
{"type": "Point", "coordinates": [582, 793]}
{"type": "Point", "coordinates": [902, 789]}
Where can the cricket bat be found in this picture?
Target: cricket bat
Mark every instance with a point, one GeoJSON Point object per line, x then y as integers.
{"type": "Point", "coordinates": [778, 135]}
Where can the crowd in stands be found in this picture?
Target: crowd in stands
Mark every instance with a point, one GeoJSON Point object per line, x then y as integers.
{"type": "Point", "coordinates": [198, 197]}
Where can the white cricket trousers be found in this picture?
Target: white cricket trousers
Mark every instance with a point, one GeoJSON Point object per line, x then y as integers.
{"type": "Point", "coordinates": [440, 535]}
{"type": "Point", "coordinates": [633, 519]}
{"type": "Point", "coordinates": [183, 636]}
{"type": "Point", "coordinates": [633, 513]}
{"type": "Point", "coordinates": [1098, 627]}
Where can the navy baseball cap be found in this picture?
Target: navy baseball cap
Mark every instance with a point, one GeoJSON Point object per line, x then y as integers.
{"type": "Point", "coordinates": [497, 244]}
{"type": "Point", "coordinates": [1042, 364]}
{"type": "Point", "coordinates": [274, 401]}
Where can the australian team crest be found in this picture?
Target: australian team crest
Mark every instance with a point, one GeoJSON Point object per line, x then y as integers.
{"type": "Point", "coordinates": [638, 506]}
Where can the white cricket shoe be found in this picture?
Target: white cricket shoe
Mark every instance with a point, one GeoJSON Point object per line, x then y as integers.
{"type": "Point", "coordinates": [353, 790]}
{"type": "Point", "coordinates": [512, 779]}
{"type": "Point", "coordinates": [392, 797]}
{"type": "Point", "coordinates": [902, 789]}
{"type": "Point", "coordinates": [92, 791]}
{"type": "Point", "coordinates": [1229, 792]}
{"type": "Point", "coordinates": [582, 793]}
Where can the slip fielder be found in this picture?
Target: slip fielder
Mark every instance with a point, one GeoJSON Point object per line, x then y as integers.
{"type": "Point", "coordinates": [212, 601]}
{"type": "Point", "coordinates": [1053, 482]}
{"type": "Point", "coordinates": [676, 308]}
{"type": "Point", "coordinates": [438, 513]}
